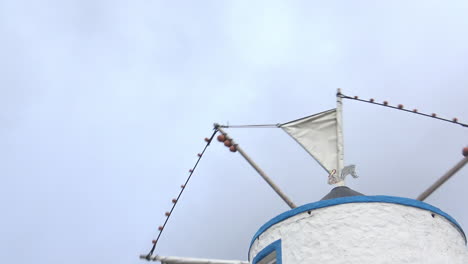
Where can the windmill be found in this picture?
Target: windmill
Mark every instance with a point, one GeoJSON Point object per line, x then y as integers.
{"type": "Point", "coordinates": [345, 226]}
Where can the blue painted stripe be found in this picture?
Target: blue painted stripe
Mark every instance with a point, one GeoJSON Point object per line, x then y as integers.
{"type": "Point", "coordinates": [355, 199]}
{"type": "Point", "coordinates": [275, 246]}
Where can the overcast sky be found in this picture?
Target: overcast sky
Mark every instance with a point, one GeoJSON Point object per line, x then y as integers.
{"type": "Point", "coordinates": [104, 106]}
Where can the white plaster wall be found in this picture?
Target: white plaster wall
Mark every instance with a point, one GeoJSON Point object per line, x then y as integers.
{"type": "Point", "coordinates": [364, 233]}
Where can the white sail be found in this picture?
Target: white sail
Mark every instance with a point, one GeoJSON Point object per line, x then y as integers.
{"type": "Point", "coordinates": [317, 134]}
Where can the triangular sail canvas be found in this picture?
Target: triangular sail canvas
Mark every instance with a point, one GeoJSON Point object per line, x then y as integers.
{"type": "Point", "coordinates": [317, 134]}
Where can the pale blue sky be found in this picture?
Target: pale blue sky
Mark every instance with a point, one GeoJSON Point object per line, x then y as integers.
{"type": "Point", "coordinates": [104, 106]}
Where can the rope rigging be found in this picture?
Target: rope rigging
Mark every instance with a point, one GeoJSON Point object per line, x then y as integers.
{"type": "Point", "coordinates": [401, 107]}
{"type": "Point", "coordinates": [175, 200]}
{"type": "Point", "coordinates": [246, 126]}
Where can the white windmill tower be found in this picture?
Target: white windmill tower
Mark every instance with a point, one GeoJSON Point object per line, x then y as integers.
{"type": "Point", "coordinates": [345, 226]}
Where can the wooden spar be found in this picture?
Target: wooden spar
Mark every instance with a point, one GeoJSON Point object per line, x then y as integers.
{"type": "Point", "coordinates": [258, 169]}
{"type": "Point", "coordinates": [179, 260]}
{"type": "Point", "coordinates": [339, 135]}
{"type": "Point", "coordinates": [443, 179]}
